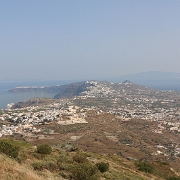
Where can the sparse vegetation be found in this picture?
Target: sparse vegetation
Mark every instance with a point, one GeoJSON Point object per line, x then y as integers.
{"type": "Point", "coordinates": [145, 166]}
{"type": "Point", "coordinates": [80, 158]}
{"type": "Point", "coordinates": [77, 165]}
{"type": "Point", "coordinates": [38, 166]}
{"type": "Point", "coordinates": [49, 165]}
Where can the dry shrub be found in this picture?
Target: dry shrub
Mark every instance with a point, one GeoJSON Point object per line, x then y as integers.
{"type": "Point", "coordinates": [80, 158]}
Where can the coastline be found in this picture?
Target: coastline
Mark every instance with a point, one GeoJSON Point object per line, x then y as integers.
{"type": "Point", "coordinates": [7, 97]}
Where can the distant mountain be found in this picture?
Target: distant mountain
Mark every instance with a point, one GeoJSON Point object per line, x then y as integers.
{"type": "Point", "coordinates": [153, 79]}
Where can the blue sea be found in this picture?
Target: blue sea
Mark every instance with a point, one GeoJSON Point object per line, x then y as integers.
{"type": "Point", "coordinates": [15, 97]}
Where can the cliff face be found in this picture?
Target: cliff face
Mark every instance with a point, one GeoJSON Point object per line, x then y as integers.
{"type": "Point", "coordinates": [73, 90]}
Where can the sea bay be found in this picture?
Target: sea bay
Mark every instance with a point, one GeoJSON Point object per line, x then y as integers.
{"type": "Point", "coordinates": [14, 97]}
{"type": "Point", "coordinates": [7, 97]}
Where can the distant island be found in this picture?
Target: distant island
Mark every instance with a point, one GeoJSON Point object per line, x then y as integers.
{"type": "Point", "coordinates": [153, 79]}
{"type": "Point", "coordinates": [36, 88]}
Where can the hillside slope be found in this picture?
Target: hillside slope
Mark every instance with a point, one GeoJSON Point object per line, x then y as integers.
{"type": "Point", "coordinates": [67, 162]}
{"type": "Point", "coordinates": [12, 170]}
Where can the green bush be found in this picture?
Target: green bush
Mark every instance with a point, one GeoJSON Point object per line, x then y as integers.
{"type": "Point", "coordinates": [85, 171]}
{"type": "Point", "coordinates": [102, 167]}
{"type": "Point", "coordinates": [44, 149]}
{"type": "Point", "coordinates": [145, 166]}
{"type": "Point", "coordinates": [9, 149]}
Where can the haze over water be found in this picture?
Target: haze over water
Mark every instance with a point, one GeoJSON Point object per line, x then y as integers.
{"type": "Point", "coordinates": [15, 97]}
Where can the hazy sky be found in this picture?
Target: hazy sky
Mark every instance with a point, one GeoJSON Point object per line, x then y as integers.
{"type": "Point", "coordinates": [88, 39]}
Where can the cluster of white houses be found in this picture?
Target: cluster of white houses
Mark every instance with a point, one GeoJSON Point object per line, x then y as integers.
{"type": "Point", "coordinates": [27, 121]}
{"type": "Point", "coordinates": [143, 103]}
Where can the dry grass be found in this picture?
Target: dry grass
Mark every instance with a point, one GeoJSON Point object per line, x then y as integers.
{"type": "Point", "coordinates": [11, 170]}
